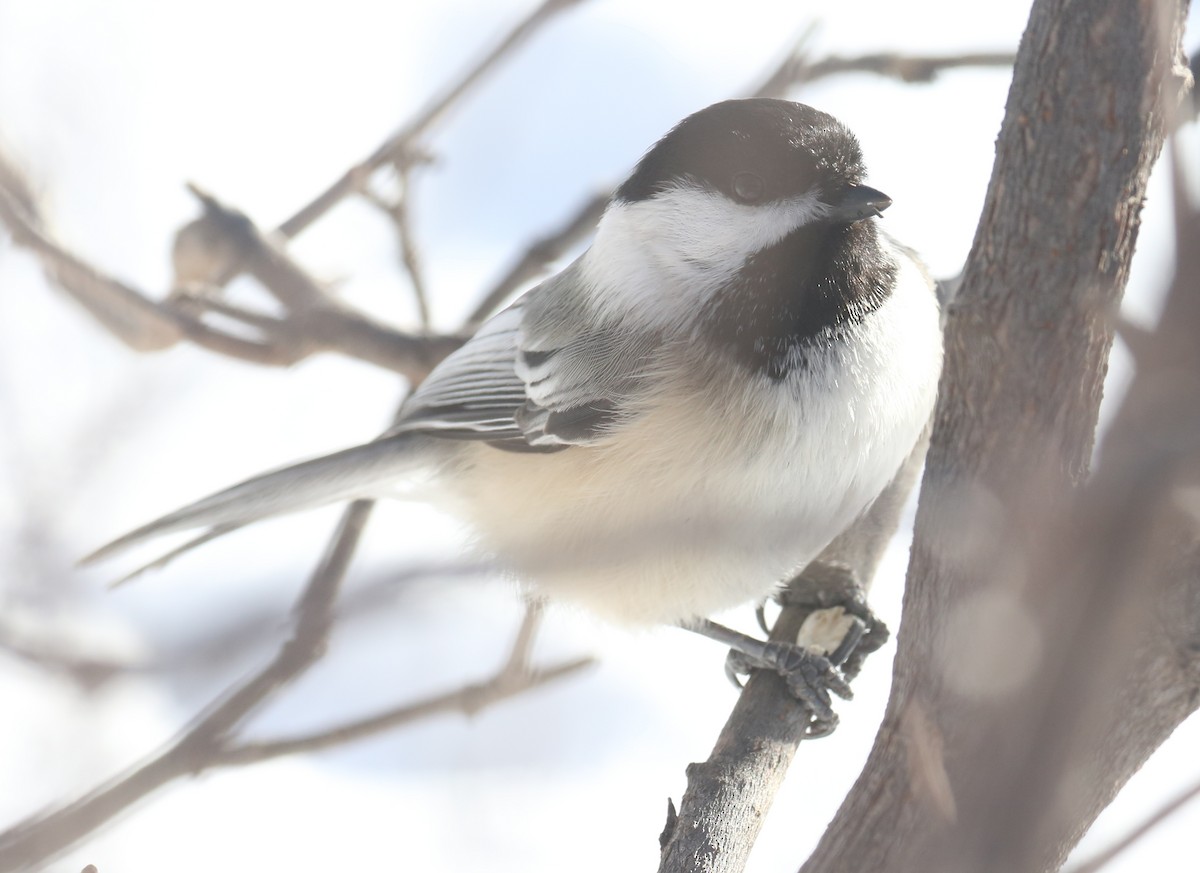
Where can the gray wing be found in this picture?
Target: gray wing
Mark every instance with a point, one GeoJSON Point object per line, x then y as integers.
{"type": "Point", "coordinates": [542, 375]}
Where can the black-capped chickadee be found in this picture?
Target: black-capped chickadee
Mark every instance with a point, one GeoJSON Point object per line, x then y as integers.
{"type": "Point", "coordinates": [688, 413]}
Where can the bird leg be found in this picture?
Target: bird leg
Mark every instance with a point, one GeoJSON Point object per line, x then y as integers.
{"type": "Point", "coordinates": [838, 633]}
{"type": "Point", "coordinates": [810, 677]}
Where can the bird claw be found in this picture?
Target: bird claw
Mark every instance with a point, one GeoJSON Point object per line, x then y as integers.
{"type": "Point", "coordinates": [760, 613]}
{"type": "Point", "coordinates": [827, 586]}
{"type": "Point", "coordinates": [811, 679]}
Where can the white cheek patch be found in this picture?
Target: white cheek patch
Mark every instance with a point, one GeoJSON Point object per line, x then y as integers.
{"type": "Point", "coordinates": [663, 257]}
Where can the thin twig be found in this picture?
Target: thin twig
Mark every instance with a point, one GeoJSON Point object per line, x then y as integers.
{"type": "Point", "coordinates": [514, 677]}
{"type": "Point", "coordinates": [522, 649]}
{"type": "Point", "coordinates": [394, 147]}
{"type": "Point", "coordinates": [16, 185]}
{"type": "Point", "coordinates": [130, 316]}
{"type": "Point", "coordinates": [777, 82]}
{"type": "Point", "coordinates": [242, 635]}
{"type": "Point", "coordinates": [410, 255]}
{"type": "Point", "coordinates": [797, 69]}
{"type": "Point", "coordinates": [1092, 865]}
{"type": "Point", "coordinates": [541, 252]}
{"type": "Point", "coordinates": [400, 213]}
{"type": "Point", "coordinates": [316, 322]}
{"type": "Point", "coordinates": [87, 671]}
{"type": "Point", "coordinates": [123, 311]}
{"type": "Point", "coordinates": [468, 701]}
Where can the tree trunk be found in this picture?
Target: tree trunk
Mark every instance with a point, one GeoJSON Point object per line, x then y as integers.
{"type": "Point", "coordinates": [998, 748]}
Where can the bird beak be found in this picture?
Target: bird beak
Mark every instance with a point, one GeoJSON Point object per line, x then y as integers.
{"type": "Point", "coordinates": [856, 202]}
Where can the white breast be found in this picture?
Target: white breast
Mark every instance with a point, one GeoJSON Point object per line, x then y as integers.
{"type": "Point", "coordinates": [711, 499]}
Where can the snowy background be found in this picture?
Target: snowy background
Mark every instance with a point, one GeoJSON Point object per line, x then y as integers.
{"type": "Point", "coordinates": [112, 105]}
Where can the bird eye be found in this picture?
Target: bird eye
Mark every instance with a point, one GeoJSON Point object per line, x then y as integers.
{"type": "Point", "coordinates": [748, 187]}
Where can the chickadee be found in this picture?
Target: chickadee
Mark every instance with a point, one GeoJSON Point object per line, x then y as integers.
{"type": "Point", "coordinates": [688, 413]}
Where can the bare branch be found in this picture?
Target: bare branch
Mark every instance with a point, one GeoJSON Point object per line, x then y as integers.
{"type": "Point", "coordinates": [410, 256]}
{"type": "Point", "coordinates": [130, 316]}
{"type": "Point", "coordinates": [1168, 809]}
{"type": "Point", "coordinates": [521, 654]}
{"type": "Point", "coordinates": [209, 743]}
{"type": "Point", "coordinates": [468, 701]}
{"type": "Point", "coordinates": [799, 69]}
{"type": "Point", "coordinates": [88, 671]}
{"type": "Point", "coordinates": [728, 795]}
{"type": "Point", "coordinates": [147, 326]}
{"type": "Point", "coordinates": [539, 254]}
{"type": "Point", "coordinates": [398, 210]}
{"type": "Point", "coordinates": [394, 147]}
{"type": "Point", "coordinates": [16, 186]}
{"type": "Point", "coordinates": [124, 312]}
{"type": "Point", "coordinates": [315, 322]}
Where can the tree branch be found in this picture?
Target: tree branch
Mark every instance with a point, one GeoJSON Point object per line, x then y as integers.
{"type": "Point", "coordinates": [539, 254]}
{"type": "Point", "coordinates": [1168, 809]}
{"type": "Point", "coordinates": [797, 69]}
{"type": "Point", "coordinates": [514, 677]}
{"type": "Point", "coordinates": [998, 746]}
{"type": "Point", "coordinates": [467, 701]}
{"type": "Point", "coordinates": [314, 320]}
{"type": "Point", "coordinates": [400, 212]}
{"type": "Point", "coordinates": [124, 312]}
{"type": "Point", "coordinates": [314, 323]}
{"type": "Point", "coordinates": [729, 795]}
{"type": "Point", "coordinates": [394, 147]}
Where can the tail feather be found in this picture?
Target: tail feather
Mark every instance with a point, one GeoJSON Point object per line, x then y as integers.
{"type": "Point", "coordinates": [162, 560]}
{"type": "Point", "coordinates": [346, 475]}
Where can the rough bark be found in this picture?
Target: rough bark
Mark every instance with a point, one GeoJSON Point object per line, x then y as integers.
{"type": "Point", "coordinates": [999, 744]}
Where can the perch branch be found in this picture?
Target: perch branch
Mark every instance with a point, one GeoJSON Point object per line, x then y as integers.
{"type": "Point", "coordinates": [728, 795]}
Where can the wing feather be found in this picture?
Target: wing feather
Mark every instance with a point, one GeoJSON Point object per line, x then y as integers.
{"type": "Point", "coordinates": [543, 374]}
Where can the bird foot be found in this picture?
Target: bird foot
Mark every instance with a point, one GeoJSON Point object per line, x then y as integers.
{"type": "Point", "coordinates": [832, 586]}
{"type": "Point", "coordinates": [811, 678]}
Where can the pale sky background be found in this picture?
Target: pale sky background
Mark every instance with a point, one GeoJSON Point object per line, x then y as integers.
{"type": "Point", "coordinates": [112, 105]}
